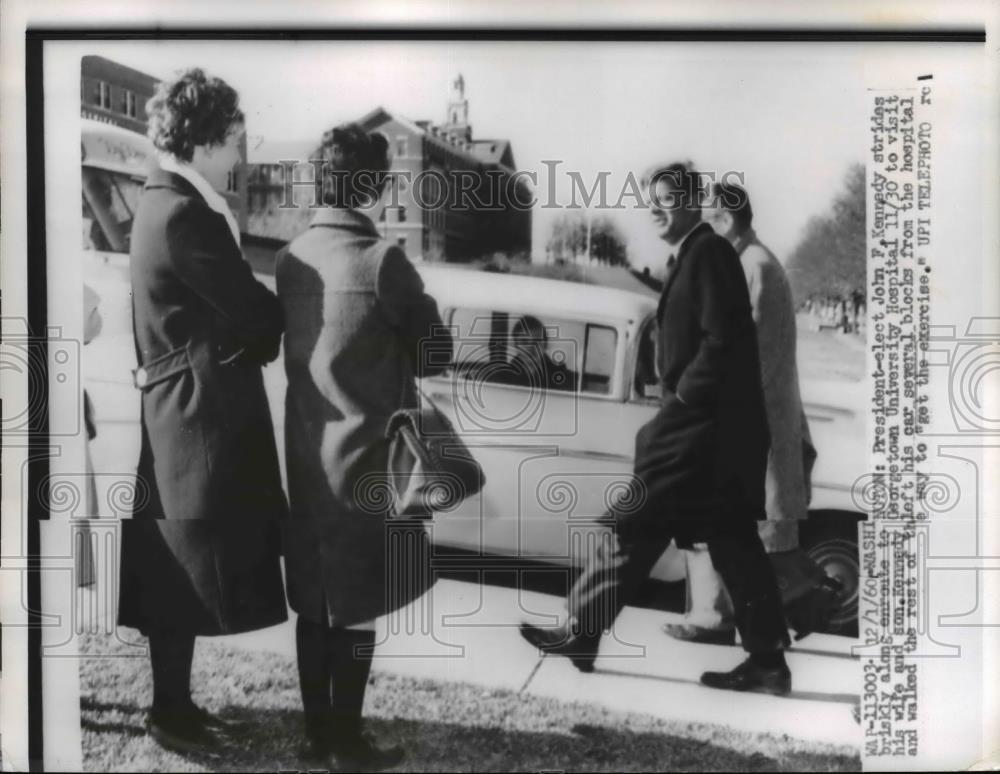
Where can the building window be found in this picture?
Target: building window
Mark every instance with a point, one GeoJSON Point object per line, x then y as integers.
{"type": "Point", "coordinates": [401, 241]}
{"type": "Point", "coordinates": [104, 95]}
{"type": "Point", "coordinates": [401, 145]}
{"type": "Point", "coordinates": [401, 210]}
{"type": "Point", "coordinates": [128, 103]}
{"type": "Point", "coordinates": [231, 180]}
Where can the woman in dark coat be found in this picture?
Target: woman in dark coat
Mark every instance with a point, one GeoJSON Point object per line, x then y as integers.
{"type": "Point", "coordinates": [200, 555]}
{"type": "Point", "coordinates": [358, 327]}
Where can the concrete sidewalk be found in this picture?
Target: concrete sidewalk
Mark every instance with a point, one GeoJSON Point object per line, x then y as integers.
{"type": "Point", "coordinates": [467, 632]}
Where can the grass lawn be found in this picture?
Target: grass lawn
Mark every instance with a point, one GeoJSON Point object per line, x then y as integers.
{"type": "Point", "coordinates": [444, 726]}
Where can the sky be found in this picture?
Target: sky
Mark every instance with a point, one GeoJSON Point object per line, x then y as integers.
{"type": "Point", "coordinates": [790, 117]}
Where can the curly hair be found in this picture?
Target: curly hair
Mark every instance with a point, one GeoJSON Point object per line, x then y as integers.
{"type": "Point", "coordinates": [192, 110]}
{"type": "Point", "coordinates": [355, 165]}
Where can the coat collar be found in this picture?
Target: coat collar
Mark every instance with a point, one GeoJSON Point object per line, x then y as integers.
{"type": "Point", "coordinates": [212, 198]}
{"type": "Point", "coordinates": [744, 240]}
{"type": "Point", "coordinates": [183, 184]}
{"type": "Point", "coordinates": [693, 236]}
{"type": "Point", "coordinates": [160, 178]}
{"type": "Point", "coordinates": [339, 217]}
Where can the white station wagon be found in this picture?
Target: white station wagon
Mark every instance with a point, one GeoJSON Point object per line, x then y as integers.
{"type": "Point", "coordinates": [556, 443]}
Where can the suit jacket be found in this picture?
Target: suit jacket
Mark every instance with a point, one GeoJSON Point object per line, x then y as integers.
{"type": "Point", "coordinates": [786, 484]}
{"type": "Point", "coordinates": [700, 461]}
{"type": "Point", "coordinates": [201, 551]}
{"type": "Point", "coordinates": [360, 329]}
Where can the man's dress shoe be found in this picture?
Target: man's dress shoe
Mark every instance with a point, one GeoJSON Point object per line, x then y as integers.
{"type": "Point", "coordinates": [582, 651]}
{"type": "Point", "coordinates": [752, 678]}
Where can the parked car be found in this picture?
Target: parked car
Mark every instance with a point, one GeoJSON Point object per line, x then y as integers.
{"type": "Point", "coordinates": [549, 385]}
{"type": "Point", "coordinates": [556, 454]}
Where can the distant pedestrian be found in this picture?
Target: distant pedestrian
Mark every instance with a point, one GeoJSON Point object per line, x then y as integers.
{"type": "Point", "coordinates": [858, 308]}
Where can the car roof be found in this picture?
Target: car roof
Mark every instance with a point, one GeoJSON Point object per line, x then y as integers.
{"type": "Point", "coordinates": [106, 146]}
{"type": "Point", "coordinates": [471, 289]}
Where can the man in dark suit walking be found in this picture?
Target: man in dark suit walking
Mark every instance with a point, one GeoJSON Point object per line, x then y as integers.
{"type": "Point", "coordinates": [699, 463]}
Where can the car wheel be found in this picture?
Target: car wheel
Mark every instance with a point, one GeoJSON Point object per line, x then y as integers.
{"type": "Point", "coordinates": [831, 540]}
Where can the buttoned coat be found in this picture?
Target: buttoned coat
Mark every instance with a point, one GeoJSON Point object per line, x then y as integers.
{"type": "Point", "coordinates": [700, 462]}
{"type": "Point", "coordinates": [786, 483]}
{"type": "Point", "coordinates": [202, 550]}
{"type": "Point", "coordinates": [359, 330]}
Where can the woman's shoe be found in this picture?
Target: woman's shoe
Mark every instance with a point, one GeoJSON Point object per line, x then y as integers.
{"type": "Point", "coordinates": [179, 732]}
{"type": "Point", "coordinates": [215, 724]}
{"type": "Point", "coordinates": [360, 752]}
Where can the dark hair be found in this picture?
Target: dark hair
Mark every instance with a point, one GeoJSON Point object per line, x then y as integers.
{"type": "Point", "coordinates": [192, 110]}
{"type": "Point", "coordinates": [682, 178]}
{"type": "Point", "coordinates": [355, 165]}
{"type": "Point", "coordinates": [733, 199]}
{"type": "Point", "coordinates": [529, 327]}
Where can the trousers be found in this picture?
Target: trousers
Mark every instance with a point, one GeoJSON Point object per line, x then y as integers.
{"type": "Point", "coordinates": [618, 566]}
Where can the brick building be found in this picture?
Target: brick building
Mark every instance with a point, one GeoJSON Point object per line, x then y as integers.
{"type": "Point", "coordinates": [115, 94]}
{"type": "Point", "coordinates": [427, 213]}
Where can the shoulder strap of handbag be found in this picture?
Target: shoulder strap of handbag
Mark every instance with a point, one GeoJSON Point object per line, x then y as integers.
{"type": "Point", "coordinates": [380, 249]}
{"type": "Point", "coordinates": [424, 401]}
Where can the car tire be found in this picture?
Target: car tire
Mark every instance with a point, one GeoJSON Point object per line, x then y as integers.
{"type": "Point", "coordinates": [830, 538]}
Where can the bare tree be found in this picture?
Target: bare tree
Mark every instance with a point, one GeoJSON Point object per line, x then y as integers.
{"type": "Point", "coordinates": [570, 239]}
{"type": "Point", "coordinates": [830, 259]}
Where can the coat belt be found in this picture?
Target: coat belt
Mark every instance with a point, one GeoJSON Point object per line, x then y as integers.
{"type": "Point", "coordinates": [162, 368]}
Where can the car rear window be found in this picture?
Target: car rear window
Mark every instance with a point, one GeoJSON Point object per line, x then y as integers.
{"type": "Point", "coordinates": [528, 350]}
{"type": "Point", "coordinates": [109, 201]}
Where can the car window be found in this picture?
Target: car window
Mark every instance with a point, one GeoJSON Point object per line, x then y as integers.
{"type": "Point", "coordinates": [645, 380]}
{"type": "Point", "coordinates": [599, 359]}
{"type": "Point", "coordinates": [109, 203]}
{"type": "Point", "coordinates": [525, 350]}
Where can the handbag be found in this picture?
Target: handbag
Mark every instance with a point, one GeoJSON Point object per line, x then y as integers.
{"type": "Point", "coordinates": [430, 467]}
